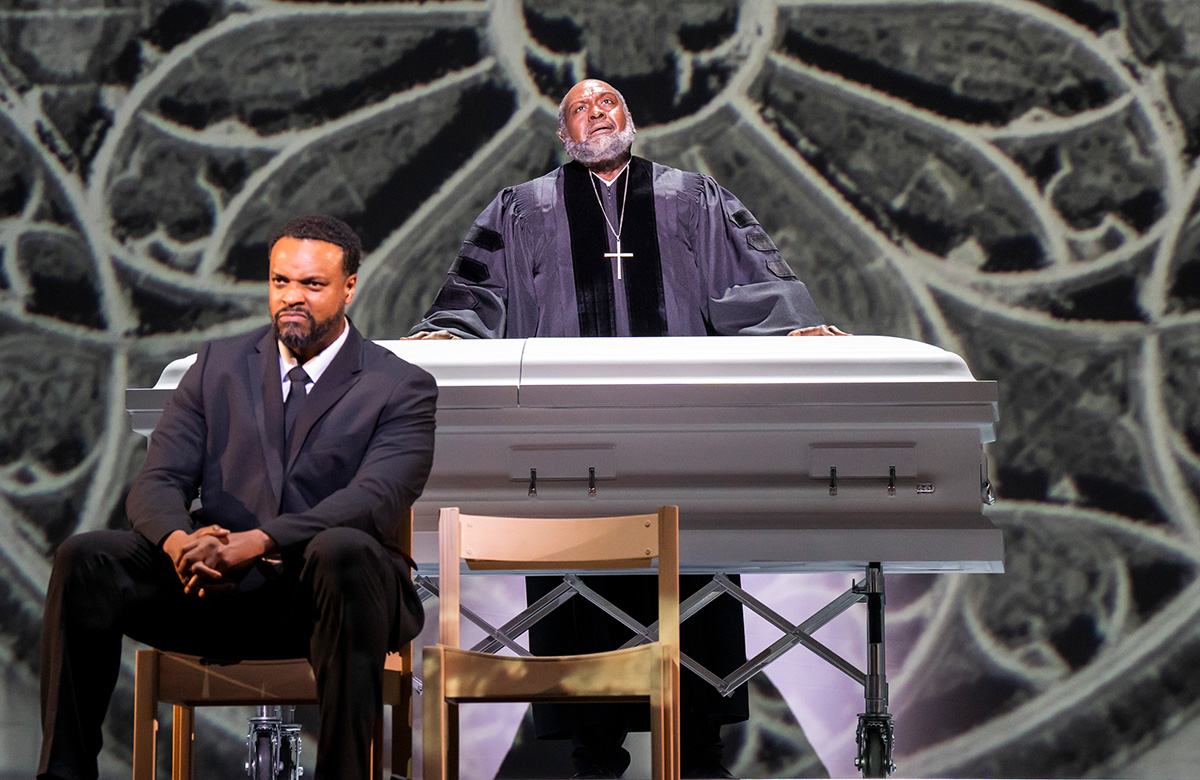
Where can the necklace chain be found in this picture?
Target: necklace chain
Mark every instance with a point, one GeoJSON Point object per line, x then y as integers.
{"type": "Point", "coordinates": [621, 221]}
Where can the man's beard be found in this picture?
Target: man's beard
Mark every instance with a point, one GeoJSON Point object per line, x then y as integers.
{"type": "Point", "coordinates": [298, 338]}
{"type": "Point", "coordinates": [604, 149]}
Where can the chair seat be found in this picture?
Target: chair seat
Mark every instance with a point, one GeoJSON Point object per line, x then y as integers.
{"type": "Point", "coordinates": [617, 675]}
{"type": "Point", "coordinates": [192, 681]}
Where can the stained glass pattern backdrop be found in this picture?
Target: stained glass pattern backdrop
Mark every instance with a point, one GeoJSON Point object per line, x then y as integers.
{"type": "Point", "coordinates": [1013, 180]}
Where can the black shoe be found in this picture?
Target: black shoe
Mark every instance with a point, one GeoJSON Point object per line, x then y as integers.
{"type": "Point", "coordinates": [590, 772]}
{"type": "Point", "coordinates": [597, 750]}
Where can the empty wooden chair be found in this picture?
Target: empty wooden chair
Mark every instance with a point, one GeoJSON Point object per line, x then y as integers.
{"type": "Point", "coordinates": [646, 673]}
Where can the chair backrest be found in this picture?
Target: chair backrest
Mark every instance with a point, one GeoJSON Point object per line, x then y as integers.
{"type": "Point", "coordinates": [628, 541]}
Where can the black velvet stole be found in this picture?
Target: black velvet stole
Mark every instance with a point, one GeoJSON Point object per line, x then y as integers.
{"type": "Point", "coordinates": [593, 271]}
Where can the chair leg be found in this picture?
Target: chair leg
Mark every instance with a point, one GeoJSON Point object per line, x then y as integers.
{"type": "Point", "coordinates": [672, 738]}
{"type": "Point", "coordinates": [659, 748]}
{"type": "Point", "coordinates": [402, 723]}
{"type": "Point", "coordinates": [657, 753]}
{"type": "Point", "coordinates": [664, 721]}
{"type": "Point", "coordinates": [182, 731]}
{"type": "Point", "coordinates": [433, 717]}
{"type": "Point", "coordinates": [451, 740]}
{"type": "Point", "coordinates": [145, 714]}
{"type": "Point", "coordinates": [439, 721]}
{"type": "Point", "coordinates": [377, 748]}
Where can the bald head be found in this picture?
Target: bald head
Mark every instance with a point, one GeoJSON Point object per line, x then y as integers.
{"type": "Point", "coordinates": [581, 95]}
{"type": "Point", "coordinates": [594, 124]}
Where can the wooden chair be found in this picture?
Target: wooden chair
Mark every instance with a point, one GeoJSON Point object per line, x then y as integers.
{"type": "Point", "coordinates": [646, 673]}
{"type": "Point", "coordinates": [187, 682]}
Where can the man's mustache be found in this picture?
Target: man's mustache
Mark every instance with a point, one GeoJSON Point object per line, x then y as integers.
{"type": "Point", "coordinates": [603, 124]}
{"type": "Point", "coordinates": [295, 310]}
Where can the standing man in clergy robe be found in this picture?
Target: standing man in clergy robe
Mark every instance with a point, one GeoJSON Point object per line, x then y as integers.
{"type": "Point", "coordinates": [615, 245]}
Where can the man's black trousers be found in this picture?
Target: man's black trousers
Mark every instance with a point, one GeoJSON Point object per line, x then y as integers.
{"type": "Point", "coordinates": [343, 605]}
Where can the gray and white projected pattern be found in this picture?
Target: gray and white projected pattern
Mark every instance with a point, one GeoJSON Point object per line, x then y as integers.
{"type": "Point", "coordinates": [1014, 181]}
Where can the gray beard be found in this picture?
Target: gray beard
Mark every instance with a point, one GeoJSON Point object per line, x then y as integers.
{"type": "Point", "coordinates": [606, 148]}
{"type": "Point", "coordinates": [297, 339]}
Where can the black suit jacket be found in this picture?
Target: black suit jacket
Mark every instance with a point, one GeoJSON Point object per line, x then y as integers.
{"type": "Point", "coordinates": [360, 454]}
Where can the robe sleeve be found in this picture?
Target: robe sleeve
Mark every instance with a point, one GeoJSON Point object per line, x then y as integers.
{"type": "Point", "coordinates": [473, 301]}
{"type": "Point", "coordinates": [751, 290]}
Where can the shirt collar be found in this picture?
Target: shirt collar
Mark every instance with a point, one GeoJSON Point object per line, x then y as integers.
{"type": "Point", "coordinates": [609, 184]}
{"type": "Point", "coordinates": [317, 364]}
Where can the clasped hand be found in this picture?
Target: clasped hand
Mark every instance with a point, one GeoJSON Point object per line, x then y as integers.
{"type": "Point", "coordinates": [210, 560]}
{"type": "Point", "coordinates": [423, 335]}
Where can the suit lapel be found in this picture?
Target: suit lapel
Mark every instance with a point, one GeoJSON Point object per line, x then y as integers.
{"type": "Point", "coordinates": [341, 375]}
{"type": "Point", "coordinates": [262, 367]}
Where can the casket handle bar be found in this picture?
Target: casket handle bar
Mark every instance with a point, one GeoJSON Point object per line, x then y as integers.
{"type": "Point", "coordinates": [892, 486]}
{"type": "Point", "coordinates": [591, 482]}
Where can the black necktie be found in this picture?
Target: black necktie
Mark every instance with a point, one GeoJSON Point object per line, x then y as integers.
{"type": "Point", "coordinates": [291, 407]}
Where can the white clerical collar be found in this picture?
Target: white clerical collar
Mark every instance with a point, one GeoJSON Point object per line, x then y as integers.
{"type": "Point", "coordinates": [316, 365]}
{"type": "Point", "coordinates": [609, 184]}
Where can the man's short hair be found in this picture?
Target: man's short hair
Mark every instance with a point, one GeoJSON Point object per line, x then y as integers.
{"type": "Point", "coordinates": [562, 111]}
{"type": "Point", "coordinates": [331, 230]}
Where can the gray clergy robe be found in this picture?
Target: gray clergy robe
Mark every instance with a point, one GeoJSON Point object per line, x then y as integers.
{"type": "Point", "coordinates": [720, 272]}
{"type": "Point", "coordinates": [533, 264]}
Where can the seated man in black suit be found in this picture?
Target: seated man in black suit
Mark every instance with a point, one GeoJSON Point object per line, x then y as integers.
{"type": "Point", "coordinates": [304, 443]}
